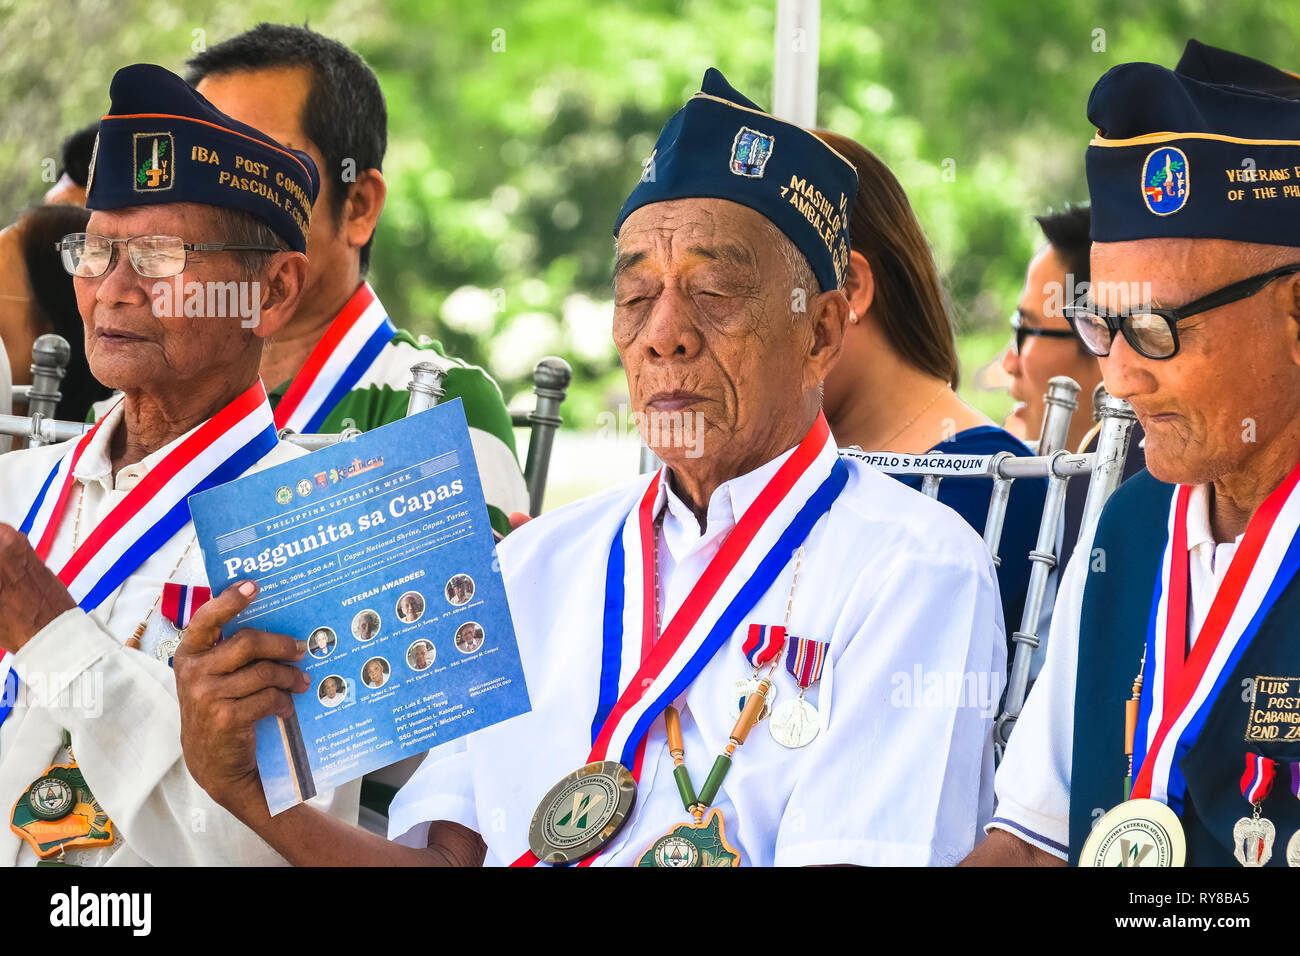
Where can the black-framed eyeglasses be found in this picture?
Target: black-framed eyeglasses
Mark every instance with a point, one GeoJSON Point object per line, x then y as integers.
{"type": "Point", "coordinates": [87, 255]}
{"type": "Point", "coordinates": [1152, 332]}
{"type": "Point", "coordinates": [1020, 331]}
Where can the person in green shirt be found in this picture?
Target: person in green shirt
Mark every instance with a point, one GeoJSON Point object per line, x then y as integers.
{"type": "Point", "coordinates": [340, 361]}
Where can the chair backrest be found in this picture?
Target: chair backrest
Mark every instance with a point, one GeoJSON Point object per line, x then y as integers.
{"type": "Point", "coordinates": [1104, 468]}
{"type": "Point", "coordinates": [551, 378]}
{"type": "Point", "coordinates": [50, 355]}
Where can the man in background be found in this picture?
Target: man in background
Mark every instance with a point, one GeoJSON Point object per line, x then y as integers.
{"type": "Point", "coordinates": [341, 361]}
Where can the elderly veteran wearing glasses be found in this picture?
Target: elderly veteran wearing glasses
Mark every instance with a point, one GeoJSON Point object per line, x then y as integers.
{"type": "Point", "coordinates": [1167, 708]}
{"type": "Point", "coordinates": [743, 678]}
{"type": "Point", "coordinates": [99, 565]}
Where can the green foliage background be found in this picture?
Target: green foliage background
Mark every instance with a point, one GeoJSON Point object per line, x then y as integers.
{"type": "Point", "coordinates": [516, 129]}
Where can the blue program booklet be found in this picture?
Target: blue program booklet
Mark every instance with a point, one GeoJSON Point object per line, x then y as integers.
{"type": "Point", "coordinates": [377, 551]}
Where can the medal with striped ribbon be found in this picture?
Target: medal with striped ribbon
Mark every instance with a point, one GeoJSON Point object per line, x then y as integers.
{"type": "Point", "coordinates": [795, 723]}
{"type": "Point", "coordinates": [179, 602]}
{"type": "Point", "coordinates": [640, 678]}
{"type": "Point", "coordinates": [1252, 837]}
{"type": "Point", "coordinates": [354, 340]}
{"type": "Point", "coordinates": [763, 643]}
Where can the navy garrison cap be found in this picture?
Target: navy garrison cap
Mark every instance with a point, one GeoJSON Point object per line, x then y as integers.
{"type": "Point", "coordinates": [162, 142]}
{"type": "Point", "coordinates": [721, 145]}
{"type": "Point", "coordinates": [1210, 64]}
{"type": "Point", "coordinates": [1176, 156]}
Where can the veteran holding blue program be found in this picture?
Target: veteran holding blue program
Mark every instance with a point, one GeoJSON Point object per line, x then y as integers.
{"type": "Point", "coordinates": [776, 655]}
{"type": "Point", "coordinates": [1163, 729]}
{"type": "Point", "coordinates": [99, 566]}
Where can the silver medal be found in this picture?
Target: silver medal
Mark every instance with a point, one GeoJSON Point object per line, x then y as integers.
{"type": "Point", "coordinates": [1293, 850]}
{"type": "Point", "coordinates": [749, 685]}
{"type": "Point", "coordinates": [795, 723]}
{"type": "Point", "coordinates": [1252, 841]}
{"type": "Point", "coordinates": [167, 647]}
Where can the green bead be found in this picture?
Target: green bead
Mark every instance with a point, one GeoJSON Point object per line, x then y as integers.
{"type": "Point", "coordinates": [684, 786]}
{"type": "Point", "coordinates": [716, 776]}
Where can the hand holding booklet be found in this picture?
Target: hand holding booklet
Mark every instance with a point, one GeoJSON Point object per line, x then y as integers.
{"type": "Point", "coordinates": [378, 552]}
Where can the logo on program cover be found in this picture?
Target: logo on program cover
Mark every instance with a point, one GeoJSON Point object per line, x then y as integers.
{"type": "Point", "coordinates": [750, 152]}
{"type": "Point", "coordinates": [155, 168]}
{"type": "Point", "coordinates": [1165, 180]}
{"type": "Point", "coordinates": [284, 494]}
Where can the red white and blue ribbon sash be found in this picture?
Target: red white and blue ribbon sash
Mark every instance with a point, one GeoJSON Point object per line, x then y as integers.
{"type": "Point", "coordinates": [1176, 701]}
{"type": "Point", "coordinates": [1257, 781]}
{"type": "Point", "coordinates": [354, 340]}
{"type": "Point", "coordinates": [640, 677]}
{"type": "Point", "coordinates": [805, 660]}
{"type": "Point", "coordinates": [763, 643]}
{"type": "Point", "coordinates": [219, 450]}
{"type": "Point", "coordinates": [180, 601]}
{"type": "Point", "coordinates": [50, 505]}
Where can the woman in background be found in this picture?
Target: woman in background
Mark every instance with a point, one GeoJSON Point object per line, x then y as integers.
{"type": "Point", "coordinates": [894, 388]}
{"type": "Point", "coordinates": [36, 297]}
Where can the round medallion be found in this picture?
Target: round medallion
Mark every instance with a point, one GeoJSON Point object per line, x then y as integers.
{"type": "Point", "coordinates": [1293, 850]}
{"type": "Point", "coordinates": [675, 851]}
{"type": "Point", "coordinates": [794, 723]}
{"type": "Point", "coordinates": [749, 685]}
{"type": "Point", "coordinates": [167, 647]}
{"type": "Point", "coordinates": [51, 798]}
{"type": "Point", "coordinates": [1139, 832]}
{"type": "Point", "coordinates": [582, 812]}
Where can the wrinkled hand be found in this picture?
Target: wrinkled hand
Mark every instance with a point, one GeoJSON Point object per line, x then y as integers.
{"type": "Point", "coordinates": [225, 687]}
{"type": "Point", "coordinates": [31, 595]}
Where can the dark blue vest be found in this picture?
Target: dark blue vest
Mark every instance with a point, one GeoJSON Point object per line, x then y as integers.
{"type": "Point", "coordinates": [1131, 536]}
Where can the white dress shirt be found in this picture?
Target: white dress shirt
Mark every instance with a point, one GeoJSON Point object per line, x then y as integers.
{"type": "Point", "coordinates": [900, 773]}
{"type": "Point", "coordinates": [118, 704]}
{"type": "Point", "coordinates": [1033, 780]}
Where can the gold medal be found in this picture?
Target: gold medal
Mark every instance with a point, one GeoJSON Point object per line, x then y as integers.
{"type": "Point", "coordinates": [1140, 832]}
{"type": "Point", "coordinates": [582, 813]}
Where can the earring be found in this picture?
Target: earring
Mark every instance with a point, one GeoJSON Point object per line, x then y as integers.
{"type": "Point", "coordinates": [853, 317]}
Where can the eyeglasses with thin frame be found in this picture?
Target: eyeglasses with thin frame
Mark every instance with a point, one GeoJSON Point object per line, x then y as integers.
{"type": "Point", "coordinates": [86, 255]}
{"type": "Point", "coordinates": [1020, 331]}
{"type": "Point", "coordinates": [1153, 332]}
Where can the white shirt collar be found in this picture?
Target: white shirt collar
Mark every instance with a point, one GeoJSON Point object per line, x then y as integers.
{"type": "Point", "coordinates": [729, 501]}
{"type": "Point", "coordinates": [96, 462]}
{"type": "Point", "coordinates": [1213, 555]}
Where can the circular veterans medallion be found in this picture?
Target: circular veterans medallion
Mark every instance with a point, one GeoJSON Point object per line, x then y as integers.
{"type": "Point", "coordinates": [51, 798]}
{"type": "Point", "coordinates": [1293, 850]}
{"type": "Point", "coordinates": [749, 685]}
{"type": "Point", "coordinates": [675, 851]}
{"type": "Point", "coordinates": [1139, 832]}
{"type": "Point", "coordinates": [794, 723]}
{"type": "Point", "coordinates": [582, 812]}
